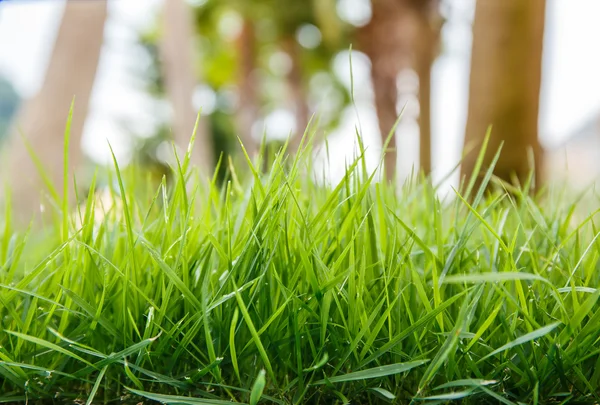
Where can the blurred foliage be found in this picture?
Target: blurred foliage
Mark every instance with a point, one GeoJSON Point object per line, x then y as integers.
{"type": "Point", "coordinates": [153, 76]}
{"type": "Point", "coordinates": [218, 23]}
{"type": "Point", "coordinates": [218, 26]}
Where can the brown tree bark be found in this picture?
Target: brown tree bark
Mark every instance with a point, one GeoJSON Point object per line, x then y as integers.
{"type": "Point", "coordinates": [70, 73]}
{"type": "Point", "coordinates": [386, 98]}
{"type": "Point", "coordinates": [387, 40]}
{"type": "Point", "coordinates": [297, 91]}
{"type": "Point", "coordinates": [427, 48]}
{"type": "Point", "coordinates": [402, 34]}
{"type": "Point", "coordinates": [249, 104]}
{"type": "Point", "coordinates": [177, 53]}
{"type": "Point", "coordinates": [504, 92]}
{"type": "Point", "coordinates": [424, 63]}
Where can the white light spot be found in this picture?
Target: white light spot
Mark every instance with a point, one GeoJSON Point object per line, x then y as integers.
{"type": "Point", "coordinates": [309, 36]}
{"type": "Point", "coordinates": [355, 12]}
{"type": "Point", "coordinates": [230, 25]}
{"type": "Point", "coordinates": [228, 100]}
{"type": "Point", "coordinates": [280, 63]}
{"type": "Point", "coordinates": [359, 72]}
{"type": "Point", "coordinates": [197, 3]}
{"type": "Point", "coordinates": [205, 99]}
{"type": "Point", "coordinates": [164, 152]}
{"type": "Point", "coordinates": [280, 124]}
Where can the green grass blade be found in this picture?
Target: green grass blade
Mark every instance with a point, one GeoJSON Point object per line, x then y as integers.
{"type": "Point", "coordinates": [493, 278]}
{"type": "Point", "coordinates": [179, 400]}
{"type": "Point", "coordinates": [48, 345]}
{"type": "Point", "coordinates": [375, 372]}
{"type": "Point", "coordinates": [258, 388]}
{"type": "Point", "coordinates": [96, 386]}
{"type": "Point", "coordinates": [536, 334]}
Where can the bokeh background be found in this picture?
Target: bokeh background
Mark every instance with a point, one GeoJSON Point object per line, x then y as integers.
{"type": "Point", "coordinates": [141, 69]}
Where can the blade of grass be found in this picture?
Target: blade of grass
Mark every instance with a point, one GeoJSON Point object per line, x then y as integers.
{"type": "Point", "coordinates": [375, 372]}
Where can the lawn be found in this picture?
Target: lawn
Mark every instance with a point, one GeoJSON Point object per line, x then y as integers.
{"type": "Point", "coordinates": [277, 288]}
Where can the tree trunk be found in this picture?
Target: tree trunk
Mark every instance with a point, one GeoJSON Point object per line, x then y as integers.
{"type": "Point", "coordinates": [427, 48]}
{"type": "Point", "coordinates": [177, 53]}
{"type": "Point", "coordinates": [297, 92]}
{"type": "Point", "coordinates": [70, 73]}
{"type": "Point", "coordinates": [249, 104]}
{"type": "Point", "coordinates": [387, 40]}
{"type": "Point", "coordinates": [505, 85]}
{"type": "Point", "coordinates": [386, 98]}
{"type": "Point", "coordinates": [425, 60]}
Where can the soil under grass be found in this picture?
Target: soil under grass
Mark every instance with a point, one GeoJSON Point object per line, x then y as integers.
{"type": "Point", "coordinates": [354, 292]}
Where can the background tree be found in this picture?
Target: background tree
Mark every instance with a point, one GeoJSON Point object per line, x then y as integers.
{"type": "Point", "coordinates": [286, 19]}
{"type": "Point", "coordinates": [505, 84]}
{"type": "Point", "coordinates": [237, 44]}
{"type": "Point", "coordinates": [426, 48]}
{"type": "Point", "coordinates": [402, 34]}
{"type": "Point", "coordinates": [70, 73]}
{"type": "Point", "coordinates": [249, 102]}
{"type": "Point", "coordinates": [178, 60]}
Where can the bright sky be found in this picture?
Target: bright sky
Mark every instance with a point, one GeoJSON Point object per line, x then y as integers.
{"type": "Point", "coordinates": [570, 94]}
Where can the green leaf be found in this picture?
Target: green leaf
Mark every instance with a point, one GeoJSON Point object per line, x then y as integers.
{"type": "Point", "coordinates": [96, 386]}
{"type": "Point", "coordinates": [492, 278]}
{"type": "Point", "coordinates": [469, 382]}
{"type": "Point", "coordinates": [374, 372]}
{"type": "Point", "coordinates": [451, 396]}
{"type": "Point", "coordinates": [320, 364]}
{"type": "Point", "coordinates": [451, 342]}
{"type": "Point", "coordinates": [180, 400]}
{"type": "Point", "coordinates": [577, 289]}
{"type": "Point", "coordinates": [132, 376]}
{"type": "Point", "coordinates": [232, 328]}
{"type": "Point", "coordinates": [497, 397]}
{"type": "Point", "coordinates": [254, 333]}
{"type": "Point", "coordinates": [413, 328]}
{"type": "Point", "coordinates": [49, 345]}
{"type": "Point", "coordinates": [258, 388]}
{"type": "Point", "coordinates": [536, 334]}
{"type": "Point", "coordinates": [384, 393]}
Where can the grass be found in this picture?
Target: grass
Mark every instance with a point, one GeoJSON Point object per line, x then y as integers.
{"type": "Point", "coordinates": [277, 289]}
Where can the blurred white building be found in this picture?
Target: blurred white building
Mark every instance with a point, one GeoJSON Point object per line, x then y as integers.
{"type": "Point", "coordinates": [576, 159]}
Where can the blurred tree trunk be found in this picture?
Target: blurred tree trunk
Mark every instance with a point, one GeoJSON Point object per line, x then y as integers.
{"type": "Point", "coordinates": [71, 72]}
{"type": "Point", "coordinates": [387, 41]}
{"type": "Point", "coordinates": [506, 67]}
{"type": "Point", "coordinates": [402, 34]}
{"type": "Point", "coordinates": [427, 45]}
{"type": "Point", "coordinates": [177, 53]}
{"type": "Point", "coordinates": [249, 103]}
{"type": "Point", "coordinates": [297, 91]}
{"type": "Point", "coordinates": [424, 63]}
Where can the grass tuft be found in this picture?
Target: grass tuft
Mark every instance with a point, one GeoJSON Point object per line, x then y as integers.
{"type": "Point", "coordinates": [274, 288]}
